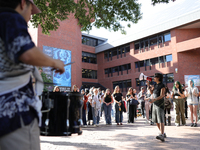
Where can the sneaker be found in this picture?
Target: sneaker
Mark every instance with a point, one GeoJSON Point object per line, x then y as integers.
{"type": "Point", "coordinates": [85, 126]}
{"type": "Point", "coordinates": [176, 124]}
{"type": "Point", "coordinates": [184, 124]}
{"type": "Point", "coordinates": [121, 124]}
{"type": "Point", "coordinates": [152, 123]}
{"type": "Point", "coordinates": [160, 137]}
{"type": "Point", "coordinates": [192, 125]}
{"type": "Point", "coordinates": [94, 125]}
{"type": "Point", "coordinates": [110, 124]}
{"type": "Point", "coordinates": [165, 136]}
{"type": "Point", "coordinates": [135, 119]}
{"type": "Point", "coordinates": [117, 123]}
{"type": "Point", "coordinates": [195, 125]}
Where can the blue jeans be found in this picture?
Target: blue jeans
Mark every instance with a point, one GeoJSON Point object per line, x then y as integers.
{"type": "Point", "coordinates": [118, 114]}
{"type": "Point", "coordinates": [95, 118]}
{"type": "Point", "coordinates": [107, 111]}
{"type": "Point", "coordinates": [84, 116]}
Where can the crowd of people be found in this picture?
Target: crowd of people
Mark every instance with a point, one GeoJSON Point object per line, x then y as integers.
{"type": "Point", "coordinates": [154, 102]}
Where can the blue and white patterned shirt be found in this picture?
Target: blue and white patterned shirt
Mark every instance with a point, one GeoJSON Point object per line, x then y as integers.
{"type": "Point", "coordinates": [14, 41]}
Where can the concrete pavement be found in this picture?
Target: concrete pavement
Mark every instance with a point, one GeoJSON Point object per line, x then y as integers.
{"type": "Point", "coordinates": [128, 136]}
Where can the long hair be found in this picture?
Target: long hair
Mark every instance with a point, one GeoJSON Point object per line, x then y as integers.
{"type": "Point", "coordinates": [115, 90]}
{"type": "Point", "coordinates": [109, 95]}
{"type": "Point", "coordinates": [129, 93]}
{"type": "Point", "coordinates": [54, 90]}
{"type": "Point", "coordinates": [167, 90]}
{"type": "Point", "coordinates": [189, 83]}
{"type": "Point", "coordinates": [180, 86]}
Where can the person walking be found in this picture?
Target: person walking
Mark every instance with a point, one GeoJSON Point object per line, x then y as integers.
{"type": "Point", "coordinates": [186, 105]}
{"type": "Point", "coordinates": [141, 96]}
{"type": "Point", "coordinates": [132, 103]}
{"type": "Point", "coordinates": [117, 96]}
{"type": "Point", "coordinates": [192, 92]}
{"type": "Point", "coordinates": [107, 103]}
{"type": "Point", "coordinates": [84, 108]}
{"type": "Point", "coordinates": [20, 107]}
{"type": "Point", "coordinates": [158, 92]}
{"type": "Point", "coordinates": [179, 103]}
{"type": "Point", "coordinates": [89, 106]}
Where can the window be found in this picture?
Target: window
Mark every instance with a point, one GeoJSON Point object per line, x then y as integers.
{"type": "Point", "coordinates": [91, 41]}
{"type": "Point", "coordinates": [137, 45]}
{"type": "Point", "coordinates": [154, 61]}
{"type": "Point", "coordinates": [146, 43]}
{"type": "Point", "coordinates": [129, 66]}
{"type": "Point", "coordinates": [170, 78]}
{"type": "Point", "coordinates": [114, 52]}
{"type": "Point", "coordinates": [142, 63]}
{"type": "Point", "coordinates": [137, 82]}
{"type": "Point", "coordinates": [106, 55]}
{"type": "Point", "coordinates": [115, 69]}
{"type": "Point", "coordinates": [167, 37]}
{"type": "Point", "coordinates": [141, 44]}
{"type": "Point", "coordinates": [124, 67]}
{"type": "Point", "coordinates": [161, 59]}
{"type": "Point", "coordinates": [127, 48]}
{"type": "Point", "coordinates": [89, 57]}
{"type": "Point", "coordinates": [147, 62]}
{"type": "Point", "coordinates": [123, 85]}
{"type": "Point", "coordinates": [91, 74]}
{"type": "Point", "coordinates": [153, 41]}
{"type": "Point", "coordinates": [140, 82]}
{"type": "Point", "coordinates": [136, 65]}
{"type": "Point", "coordinates": [106, 71]}
{"type": "Point", "coordinates": [168, 58]}
{"type": "Point", "coordinates": [160, 39]}
{"type": "Point", "coordinates": [119, 51]}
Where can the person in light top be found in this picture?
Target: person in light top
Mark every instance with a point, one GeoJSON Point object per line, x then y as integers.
{"type": "Point", "coordinates": [191, 92]}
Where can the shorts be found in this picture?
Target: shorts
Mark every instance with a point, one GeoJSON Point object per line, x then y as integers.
{"type": "Point", "coordinates": [196, 104]}
{"type": "Point", "coordinates": [157, 114]}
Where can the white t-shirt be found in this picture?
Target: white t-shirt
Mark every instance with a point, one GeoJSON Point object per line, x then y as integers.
{"type": "Point", "coordinates": [192, 99]}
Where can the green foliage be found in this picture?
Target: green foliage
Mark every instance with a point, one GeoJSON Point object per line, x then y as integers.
{"type": "Point", "coordinates": [97, 13]}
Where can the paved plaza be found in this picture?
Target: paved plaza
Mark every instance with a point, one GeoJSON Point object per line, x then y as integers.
{"type": "Point", "coordinates": [128, 136]}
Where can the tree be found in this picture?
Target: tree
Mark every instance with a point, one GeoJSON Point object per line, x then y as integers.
{"type": "Point", "coordinates": [97, 13]}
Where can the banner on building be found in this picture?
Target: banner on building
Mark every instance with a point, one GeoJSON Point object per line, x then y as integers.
{"type": "Point", "coordinates": [195, 78]}
{"type": "Point", "coordinates": [63, 55]}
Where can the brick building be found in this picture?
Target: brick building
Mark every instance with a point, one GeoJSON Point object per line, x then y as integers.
{"type": "Point", "coordinates": [171, 47]}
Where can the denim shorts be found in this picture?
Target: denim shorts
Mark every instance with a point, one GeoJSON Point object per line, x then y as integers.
{"type": "Point", "coordinates": [196, 104]}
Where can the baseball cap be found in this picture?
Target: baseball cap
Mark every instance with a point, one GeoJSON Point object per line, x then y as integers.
{"type": "Point", "coordinates": [35, 10]}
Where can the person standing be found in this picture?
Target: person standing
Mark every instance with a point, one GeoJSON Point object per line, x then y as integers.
{"type": "Point", "coordinates": [186, 105]}
{"type": "Point", "coordinates": [147, 103]}
{"type": "Point", "coordinates": [96, 107]}
{"type": "Point", "coordinates": [89, 106]}
{"type": "Point", "coordinates": [131, 105]}
{"type": "Point", "coordinates": [117, 96]}
{"type": "Point", "coordinates": [84, 108]}
{"type": "Point", "coordinates": [20, 107]}
{"type": "Point", "coordinates": [179, 103]}
{"type": "Point", "coordinates": [107, 102]}
{"type": "Point", "coordinates": [141, 96]}
{"type": "Point", "coordinates": [192, 93]}
{"type": "Point", "coordinates": [135, 92]}
{"type": "Point", "coordinates": [158, 92]}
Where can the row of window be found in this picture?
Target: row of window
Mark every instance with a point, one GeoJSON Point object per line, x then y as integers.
{"type": "Point", "coordinates": [89, 57]}
{"type": "Point", "coordinates": [118, 68]}
{"type": "Point", "coordinates": [117, 51]}
{"type": "Point", "coordinates": [91, 41]}
{"type": "Point", "coordinates": [157, 39]}
{"type": "Point", "coordinates": [123, 85]}
{"type": "Point", "coordinates": [87, 73]}
{"type": "Point", "coordinates": [153, 61]}
{"type": "Point", "coordinates": [167, 78]}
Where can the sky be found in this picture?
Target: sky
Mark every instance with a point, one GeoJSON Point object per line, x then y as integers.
{"type": "Point", "coordinates": [147, 10]}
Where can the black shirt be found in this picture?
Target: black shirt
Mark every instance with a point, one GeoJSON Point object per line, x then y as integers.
{"type": "Point", "coordinates": [156, 93]}
{"type": "Point", "coordinates": [130, 96]}
{"type": "Point", "coordinates": [118, 96]}
{"type": "Point", "coordinates": [108, 99]}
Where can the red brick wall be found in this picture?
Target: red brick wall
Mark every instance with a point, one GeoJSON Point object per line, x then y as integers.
{"type": "Point", "coordinates": [188, 64]}
{"type": "Point", "coordinates": [67, 36]}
